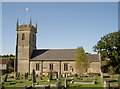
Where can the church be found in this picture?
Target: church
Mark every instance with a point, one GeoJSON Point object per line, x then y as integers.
{"type": "Point", "coordinates": [28, 57]}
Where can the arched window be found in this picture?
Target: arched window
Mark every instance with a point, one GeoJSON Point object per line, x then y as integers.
{"type": "Point", "coordinates": [23, 36]}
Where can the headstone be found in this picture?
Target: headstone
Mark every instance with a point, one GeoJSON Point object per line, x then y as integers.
{"type": "Point", "coordinates": [18, 75]}
{"type": "Point", "coordinates": [40, 78]}
{"type": "Point", "coordinates": [66, 83]}
{"type": "Point", "coordinates": [58, 84]}
{"type": "Point", "coordinates": [64, 75]}
{"type": "Point", "coordinates": [75, 75]}
{"type": "Point", "coordinates": [50, 76]}
{"type": "Point", "coordinates": [26, 75]}
{"type": "Point", "coordinates": [72, 81]}
{"type": "Point", "coordinates": [59, 76]}
{"type": "Point", "coordinates": [47, 87]}
{"type": "Point", "coordinates": [5, 79]}
{"type": "Point", "coordinates": [15, 74]}
{"type": "Point", "coordinates": [56, 75]}
{"type": "Point", "coordinates": [106, 85]}
{"type": "Point", "coordinates": [33, 76]}
{"type": "Point", "coordinates": [36, 75]}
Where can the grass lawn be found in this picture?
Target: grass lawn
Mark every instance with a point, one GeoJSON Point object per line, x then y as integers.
{"type": "Point", "coordinates": [98, 85]}
{"type": "Point", "coordinates": [21, 83]}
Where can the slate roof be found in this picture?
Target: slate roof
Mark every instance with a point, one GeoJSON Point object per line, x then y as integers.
{"type": "Point", "coordinates": [59, 54]}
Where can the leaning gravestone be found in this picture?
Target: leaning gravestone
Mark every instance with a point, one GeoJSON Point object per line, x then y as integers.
{"type": "Point", "coordinates": [33, 76]}
{"type": "Point", "coordinates": [5, 79]}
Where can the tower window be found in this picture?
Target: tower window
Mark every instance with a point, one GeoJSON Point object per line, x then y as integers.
{"type": "Point", "coordinates": [23, 36]}
{"type": "Point", "coordinates": [33, 38]}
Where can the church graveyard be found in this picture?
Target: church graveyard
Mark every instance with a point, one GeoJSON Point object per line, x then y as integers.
{"type": "Point", "coordinates": [54, 82]}
{"type": "Point", "coordinates": [111, 80]}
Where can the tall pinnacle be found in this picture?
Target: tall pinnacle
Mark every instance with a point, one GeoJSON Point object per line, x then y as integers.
{"type": "Point", "coordinates": [17, 24]}
{"type": "Point", "coordinates": [30, 22]}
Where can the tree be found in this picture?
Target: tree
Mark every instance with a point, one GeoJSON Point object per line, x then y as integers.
{"type": "Point", "coordinates": [81, 63]}
{"type": "Point", "coordinates": [109, 48]}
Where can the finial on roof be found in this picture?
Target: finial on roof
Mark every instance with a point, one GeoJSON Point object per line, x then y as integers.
{"type": "Point", "coordinates": [36, 25]}
{"type": "Point", "coordinates": [17, 24]}
{"type": "Point", "coordinates": [30, 22]}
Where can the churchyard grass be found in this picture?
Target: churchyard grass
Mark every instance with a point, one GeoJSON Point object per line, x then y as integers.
{"type": "Point", "coordinates": [25, 82]}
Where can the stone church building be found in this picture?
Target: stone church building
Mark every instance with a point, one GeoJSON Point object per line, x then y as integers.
{"type": "Point", "coordinates": [44, 60]}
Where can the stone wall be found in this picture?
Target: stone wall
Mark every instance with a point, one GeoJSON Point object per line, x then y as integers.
{"type": "Point", "coordinates": [23, 66]}
{"type": "Point", "coordinates": [94, 67]}
{"type": "Point", "coordinates": [57, 66]}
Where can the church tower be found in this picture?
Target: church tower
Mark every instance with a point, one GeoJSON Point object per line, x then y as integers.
{"type": "Point", "coordinates": [25, 44]}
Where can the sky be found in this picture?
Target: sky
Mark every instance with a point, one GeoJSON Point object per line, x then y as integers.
{"type": "Point", "coordinates": [61, 25]}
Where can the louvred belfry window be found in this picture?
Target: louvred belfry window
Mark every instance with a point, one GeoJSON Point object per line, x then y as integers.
{"type": "Point", "coordinates": [23, 36]}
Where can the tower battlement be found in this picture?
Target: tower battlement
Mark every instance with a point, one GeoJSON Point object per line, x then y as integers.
{"type": "Point", "coordinates": [26, 26]}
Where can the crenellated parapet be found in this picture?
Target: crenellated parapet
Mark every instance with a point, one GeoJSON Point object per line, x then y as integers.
{"type": "Point", "coordinates": [26, 27]}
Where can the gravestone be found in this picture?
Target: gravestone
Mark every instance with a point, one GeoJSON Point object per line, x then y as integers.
{"type": "Point", "coordinates": [66, 83]}
{"type": "Point", "coordinates": [16, 74]}
{"type": "Point", "coordinates": [64, 75]}
{"type": "Point", "coordinates": [59, 76]}
{"type": "Point", "coordinates": [26, 75]}
{"type": "Point", "coordinates": [50, 76]}
{"type": "Point", "coordinates": [75, 75]}
{"type": "Point", "coordinates": [106, 85]}
{"type": "Point", "coordinates": [47, 87]}
{"type": "Point", "coordinates": [72, 82]}
{"type": "Point", "coordinates": [5, 79]}
{"type": "Point", "coordinates": [58, 84]}
{"type": "Point", "coordinates": [56, 75]}
{"type": "Point", "coordinates": [33, 76]}
{"type": "Point", "coordinates": [40, 78]}
{"type": "Point", "coordinates": [36, 75]}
